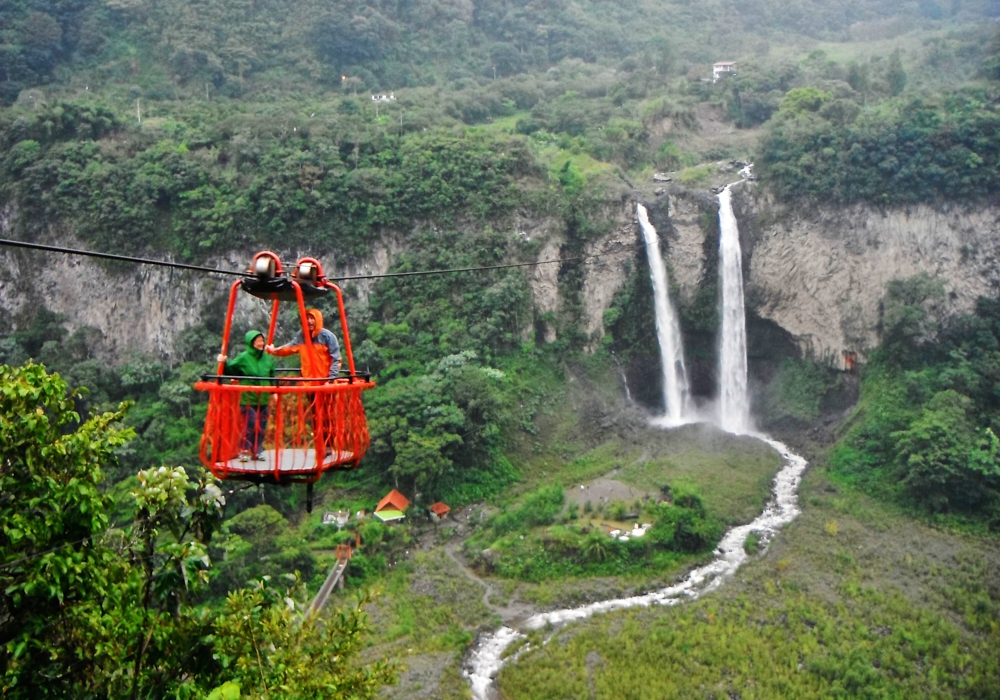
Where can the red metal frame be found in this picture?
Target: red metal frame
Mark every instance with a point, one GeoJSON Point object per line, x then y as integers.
{"type": "Point", "coordinates": [307, 414]}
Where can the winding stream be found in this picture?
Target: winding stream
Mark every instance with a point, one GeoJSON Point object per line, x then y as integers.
{"type": "Point", "coordinates": [486, 657]}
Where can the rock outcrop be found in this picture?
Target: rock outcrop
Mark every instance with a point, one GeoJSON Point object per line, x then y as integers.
{"type": "Point", "coordinates": [822, 274]}
{"type": "Point", "coordinates": [138, 309]}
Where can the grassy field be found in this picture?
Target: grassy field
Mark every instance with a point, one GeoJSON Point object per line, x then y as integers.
{"type": "Point", "coordinates": [852, 600]}
{"type": "Point", "coordinates": [429, 609]}
{"type": "Point", "coordinates": [432, 602]}
{"type": "Point", "coordinates": [425, 616]}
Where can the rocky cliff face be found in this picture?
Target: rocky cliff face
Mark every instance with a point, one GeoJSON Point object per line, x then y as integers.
{"type": "Point", "coordinates": [818, 274]}
{"type": "Point", "coordinates": [138, 309]}
{"type": "Point", "coordinates": [142, 310]}
{"type": "Point", "coordinates": [822, 274]}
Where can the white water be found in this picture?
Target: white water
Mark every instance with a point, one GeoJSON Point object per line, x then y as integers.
{"type": "Point", "coordinates": [734, 408]}
{"type": "Point", "coordinates": [485, 659]}
{"type": "Point", "coordinates": [668, 330]}
{"type": "Point", "coordinates": [621, 372]}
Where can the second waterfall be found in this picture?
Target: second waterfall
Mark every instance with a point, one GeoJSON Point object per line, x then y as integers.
{"type": "Point", "coordinates": [668, 330]}
{"type": "Point", "coordinates": [734, 408]}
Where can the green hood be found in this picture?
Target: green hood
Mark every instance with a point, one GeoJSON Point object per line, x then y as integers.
{"type": "Point", "coordinates": [248, 341]}
{"type": "Point", "coordinates": [252, 363]}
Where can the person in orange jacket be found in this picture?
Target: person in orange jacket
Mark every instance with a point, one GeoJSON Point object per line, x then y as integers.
{"type": "Point", "coordinates": [323, 363]}
{"type": "Point", "coordinates": [325, 358]}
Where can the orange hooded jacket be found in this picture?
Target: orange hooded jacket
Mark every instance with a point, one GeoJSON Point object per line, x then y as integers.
{"type": "Point", "coordinates": [324, 361]}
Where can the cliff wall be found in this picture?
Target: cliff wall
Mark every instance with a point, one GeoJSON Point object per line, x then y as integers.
{"type": "Point", "coordinates": [138, 309]}
{"type": "Point", "coordinates": [818, 274]}
{"type": "Point", "coordinates": [822, 274]}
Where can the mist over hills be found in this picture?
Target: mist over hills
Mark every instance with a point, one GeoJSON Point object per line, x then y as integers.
{"type": "Point", "coordinates": [237, 46]}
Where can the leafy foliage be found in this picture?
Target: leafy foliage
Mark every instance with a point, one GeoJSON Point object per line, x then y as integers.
{"type": "Point", "coordinates": [92, 609]}
{"type": "Point", "coordinates": [189, 192]}
{"type": "Point", "coordinates": [54, 518]}
{"type": "Point", "coordinates": [538, 540]}
{"type": "Point", "coordinates": [912, 150]}
{"type": "Point", "coordinates": [926, 430]}
{"type": "Point", "coordinates": [235, 47]}
{"type": "Point", "coordinates": [795, 392]}
{"type": "Point", "coordinates": [440, 408]}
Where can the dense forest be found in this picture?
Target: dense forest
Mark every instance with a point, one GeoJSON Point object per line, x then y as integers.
{"type": "Point", "coordinates": [164, 128]}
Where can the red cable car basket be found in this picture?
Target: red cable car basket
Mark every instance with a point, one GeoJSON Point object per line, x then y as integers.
{"type": "Point", "coordinates": [314, 423]}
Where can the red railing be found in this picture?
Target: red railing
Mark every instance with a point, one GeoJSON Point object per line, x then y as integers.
{"type": "Point", "coordinates": [309, 429]}
{"type": "Point", "coordinates": [313, 424]}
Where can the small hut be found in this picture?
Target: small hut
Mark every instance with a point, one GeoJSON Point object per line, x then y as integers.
{"type": "Point", "coordinates": [392, 506]}
{"type": "Point", "coordinates": [439, 510]}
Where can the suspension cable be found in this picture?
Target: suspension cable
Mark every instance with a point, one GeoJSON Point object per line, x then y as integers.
{"type": "Point", "coordinates": [122, 258]}
{"type": "Point", "coordinates": [348, 278]}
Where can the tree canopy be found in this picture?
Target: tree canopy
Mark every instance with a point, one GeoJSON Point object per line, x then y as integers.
{"type": "Point", "coordinates": [96, 607]}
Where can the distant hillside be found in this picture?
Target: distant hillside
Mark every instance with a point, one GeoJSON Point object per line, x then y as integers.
{"type": "Point", "coordinates": [233, 46]}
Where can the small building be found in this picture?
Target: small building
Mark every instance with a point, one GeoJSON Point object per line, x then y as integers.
{"type": "Point", "coordinates": [382, 97]}
{"type": "Point", "coordinates": [338, 518]}
{"type": "Point", "coordinates": [392, 507]}
{"type": "Point", "coordinates": [723, 69]}
{"type": "Point", "coordinates": [439, 510]}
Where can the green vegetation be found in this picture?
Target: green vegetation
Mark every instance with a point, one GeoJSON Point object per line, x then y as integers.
{"type": "Point", "coordinates": [872, 644]}
{"type": "Point", "coordinates": [193, 188]}
{"type": "Point", "coordinates": [585, 549]}
{"type": "Point", "coordinates": [95, 607]}
{"type": "Point", "coordinates": [167, 49]}
{"type": "Point", "coordinates": [794, 394]}
{"type": "Point", "coordinates": [876, 607]}
{"type": "Point", "coordinates": [924, 433]}
{"type": "Point", "coordinates": [910, 150]}
{"type": "Point", "coordinates": [698, 486]}
{"type": "Point", "coordinates": [196, 131]}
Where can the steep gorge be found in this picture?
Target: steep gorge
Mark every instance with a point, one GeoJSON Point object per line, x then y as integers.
{"type": "Point", "coordinates": [815, 279]}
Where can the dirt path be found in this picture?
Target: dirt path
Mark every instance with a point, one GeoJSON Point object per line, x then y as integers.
{"type": "Point", "coordinates": [510, 614]}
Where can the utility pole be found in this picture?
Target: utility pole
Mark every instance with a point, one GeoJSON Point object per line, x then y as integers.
{"type": "Point", "coordinates": [138, 112]}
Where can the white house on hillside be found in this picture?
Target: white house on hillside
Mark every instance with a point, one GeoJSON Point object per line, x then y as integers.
{"type": "Point", "coordinates": [723, 68]}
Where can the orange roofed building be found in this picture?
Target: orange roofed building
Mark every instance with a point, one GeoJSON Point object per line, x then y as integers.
{"type": "Point", "coordinates": [440, 510]}
{"type": "Point", "coordinates": [392, 506]}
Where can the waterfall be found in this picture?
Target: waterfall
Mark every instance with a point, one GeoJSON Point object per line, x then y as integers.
{"type": "Point", "coordinates": [735, 405]}
{"type": "Point", "coordinates": [621, 372]}
{"type": "Point", "coordinates": [668, 330]}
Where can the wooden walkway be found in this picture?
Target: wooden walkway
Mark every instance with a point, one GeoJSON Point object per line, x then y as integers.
{"type": "Point", "coordinates": [335, 577]}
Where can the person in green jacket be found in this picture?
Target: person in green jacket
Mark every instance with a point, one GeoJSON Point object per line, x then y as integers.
{"type": "Point", "coordinates": [252, 362]}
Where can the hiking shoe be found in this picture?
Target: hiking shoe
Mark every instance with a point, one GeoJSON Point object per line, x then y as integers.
{"type": "Point", "coordinates": [244, 455]}
{"type": "Point", "coordinates": [260, 456]}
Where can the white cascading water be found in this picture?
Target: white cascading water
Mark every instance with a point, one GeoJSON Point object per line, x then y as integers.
{"type": "Point", "coordinates": [621, 373]}
{"type": "Point", "coordinates": [734, 408]}
{"type": "Point", "coordinates": [487, 656]}
{"type": "Point", "coordinates": [668, 330]}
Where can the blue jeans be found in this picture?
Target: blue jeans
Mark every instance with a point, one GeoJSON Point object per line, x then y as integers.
{"type": "Point", "coordinates": [255, 422]}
